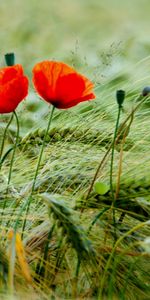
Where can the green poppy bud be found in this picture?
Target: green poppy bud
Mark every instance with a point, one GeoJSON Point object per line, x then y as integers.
{"type": "Point", "coordinates": [10, 59]}
{"type": "Point", "coordinates": [120, 95]}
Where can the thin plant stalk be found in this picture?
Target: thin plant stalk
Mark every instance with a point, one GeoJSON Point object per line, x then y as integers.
{"type": "Point", "coordinates": [119, 170]}
{"type": "Point", "coordinates": [143, 99]}
{"type": "Point", "coordinates": [37, 169]}
{"type": "Point", "coordinates": [112, 161]}
{"type": "Point", "coordinates": [14, 150]}
{"type": "Point", "coordinates": [121, 156]}
{"type": "Point", "coordinates": [113, 149]}
{"type": "Point", "coordinates": [103, 280]}
{"type": "Point", "coordinates": [97, 171]}
{"type": "Point", "coordinates": [75, 282]}
{"type": "Point", "coordinates": [97, 218]}
{"type": "Point", "coordinates": [42, 149]}
{"type": "Point", "coordinates": [3, 140]}
{"type": "Point", "coordinates": [120, 167]}
{"type": "Point", "coordinates": [12, 159]}
{"type": "Point", "coordinates": [41, 268]}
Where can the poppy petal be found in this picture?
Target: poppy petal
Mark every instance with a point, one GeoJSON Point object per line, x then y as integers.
{"type": "Point", "coordinates": [69, 87]}
{"type": "Point", "coordinates": [13, 88]}
{"type": "Point", "coordinates": [60, 85]}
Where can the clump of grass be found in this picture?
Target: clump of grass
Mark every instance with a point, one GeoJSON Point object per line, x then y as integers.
{"type": "Point", "coordinates": [71, 255]}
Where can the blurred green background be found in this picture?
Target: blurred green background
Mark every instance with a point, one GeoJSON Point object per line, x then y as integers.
{"type": "Point", "coordinates": [80, 32]}
{"type": "Point", "coordinates": [108, 41]}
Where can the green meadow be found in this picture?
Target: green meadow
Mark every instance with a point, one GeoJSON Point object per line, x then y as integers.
{"type": "Point", "coordinates": [81, 238]}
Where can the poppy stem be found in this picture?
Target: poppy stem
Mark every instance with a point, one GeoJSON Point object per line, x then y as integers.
{"type": "Point", "coordinates": [3, 140]}
{"type": "Point", "coordinates": [27, 204]}
{"type": "Point", "coordinates": [14, 150]}
{"type": "Point", "coordinates": [12, 158]}
{"type": "Point", "coordinates": [111, 168]}
{"type": "Point", "coordinates": [112, 152]}
{"type": "Point", "coordinates": [42, 149]}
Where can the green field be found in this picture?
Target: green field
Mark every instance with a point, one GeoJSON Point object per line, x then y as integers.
{"type": "Point", "coordinates": [73, 249]}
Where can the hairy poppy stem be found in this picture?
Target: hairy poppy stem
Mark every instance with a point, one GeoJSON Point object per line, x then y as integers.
{"type": "Point", "coordinates": [111, 165]}
{"type": "Point", "coordinates": [3, 140]}
{"type": "Point", "coordinates": [12, 158]}
{"type": "Point", "coordinates": [27, 204]}
{"type": "Point", "coordinates": [14, 150]}
{"type": "Point", "coordinates": [121, 155]}
{"type": "Point", "coordinates": [120, 96]}
{"type": "Point", "coordinates": [42, 149]}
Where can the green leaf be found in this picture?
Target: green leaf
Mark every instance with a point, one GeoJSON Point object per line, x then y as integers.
{"type": "Point", "coordinates": [101, 188]}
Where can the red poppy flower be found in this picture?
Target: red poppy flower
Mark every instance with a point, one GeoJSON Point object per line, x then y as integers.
{"type": "Point", "coordinates": [61, 85]}
{"type": "Point", "coordinates": [13, 88]}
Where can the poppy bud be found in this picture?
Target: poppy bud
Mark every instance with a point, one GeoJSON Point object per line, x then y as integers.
{"type": "Point", "coordinates": [120, 95]}
{"type": "Point", "coordinates": [10, 59]}
{"type": "Point", "coordinates": [146, 91]}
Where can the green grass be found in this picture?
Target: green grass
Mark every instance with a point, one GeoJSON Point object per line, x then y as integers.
{"type": "Point", "coordinates": [72, 263]}
{"type": "Point", "coordinates": [70, 248]}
